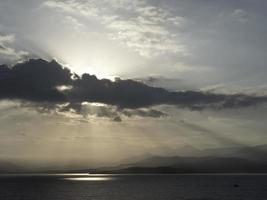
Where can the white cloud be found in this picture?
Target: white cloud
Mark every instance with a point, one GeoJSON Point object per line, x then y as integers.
{"type": "Point", "coordinates": [233, 16]}
{"type": "Point", "coordinates": [240, 15]}
{"type": "Point", "coordinates": [74, 23]}
{"type": "Point", "coordinates": [146, 29]}
{"type": "Point", "coordinates": [9, 54]}
{"type": "Point", "coordinates": [6, 39]}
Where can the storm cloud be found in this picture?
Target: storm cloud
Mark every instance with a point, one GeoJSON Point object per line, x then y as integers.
{"type": "Point", "coordinates": [49, 82]}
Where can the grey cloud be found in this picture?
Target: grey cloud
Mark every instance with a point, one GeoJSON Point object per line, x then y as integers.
{"type": "Point", "coordinates": [144, 113]}
{"type": "Point", "coordinates": [228, 37]}
{"type": "Point", "coordinates": [117, 119]}
{"type": "Point", "coordinates": [108, 111]}
{"type": "Point", "coordinates": [172, 84]}
{"type": "Point", "coordinates": [260, 90]}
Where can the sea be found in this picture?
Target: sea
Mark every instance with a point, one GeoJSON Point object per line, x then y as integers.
{"type": "Point", "coordinates": [133, 187]}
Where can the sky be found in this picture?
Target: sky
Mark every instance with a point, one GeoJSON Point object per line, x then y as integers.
{"type": "Point", "coordinates": [207, 46]}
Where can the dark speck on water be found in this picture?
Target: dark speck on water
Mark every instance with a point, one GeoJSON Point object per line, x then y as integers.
{"type": "Point", "coordinates": [133, 187]}
{"type": "Point", "coordinates": [236, 185]}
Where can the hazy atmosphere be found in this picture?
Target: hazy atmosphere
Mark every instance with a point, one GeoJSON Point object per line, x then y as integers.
{"type": "Point", "coordinates": [89, 83]}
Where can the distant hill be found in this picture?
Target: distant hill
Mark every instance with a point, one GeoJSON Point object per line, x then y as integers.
{"type": "Point", "coordinates": [251, 153]}
{"type": "Point", "coordinates": [218, 160]}
{"type": "Point", "coordinates": [190, 165]}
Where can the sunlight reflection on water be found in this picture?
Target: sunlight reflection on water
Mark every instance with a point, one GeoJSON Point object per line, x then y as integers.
{"type": "Point", "coordinates": [88, 178]}
{"type": "Point", "coordinates": [66, 176]}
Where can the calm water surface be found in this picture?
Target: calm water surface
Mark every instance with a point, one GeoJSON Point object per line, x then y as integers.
{"type": "Point", "coordinates": [133, 187]}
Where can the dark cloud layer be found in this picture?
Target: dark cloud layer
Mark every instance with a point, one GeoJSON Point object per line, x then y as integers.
{"type": "Point", "coordinates": [35, 80]}
{"type": "Point", "coordinates": [39, 81]}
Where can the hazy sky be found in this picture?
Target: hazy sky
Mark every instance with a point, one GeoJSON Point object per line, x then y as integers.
{"type": "Point", "coordinates": [204, 45]}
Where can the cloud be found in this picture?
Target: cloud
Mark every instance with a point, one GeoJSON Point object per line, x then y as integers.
{"type": "Point", "coordinates": [42, 82]}
{"type": "Point", "coordinates": [144, 113]}
{"type": "Point", "coordinates": [172, 84]}
{"type": "Point", "coordinates": [34, 80]}
{"type": "Point", "coordinates": [142, 27]}
{"type": "Point", "coordinates": [9, 54]}
{"type": "Point", "coordinates": [6, 39]}
{"type": "Point", "coordinates": [259, 90]}
{"type": "Point", "coordinates": [88, 110]}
